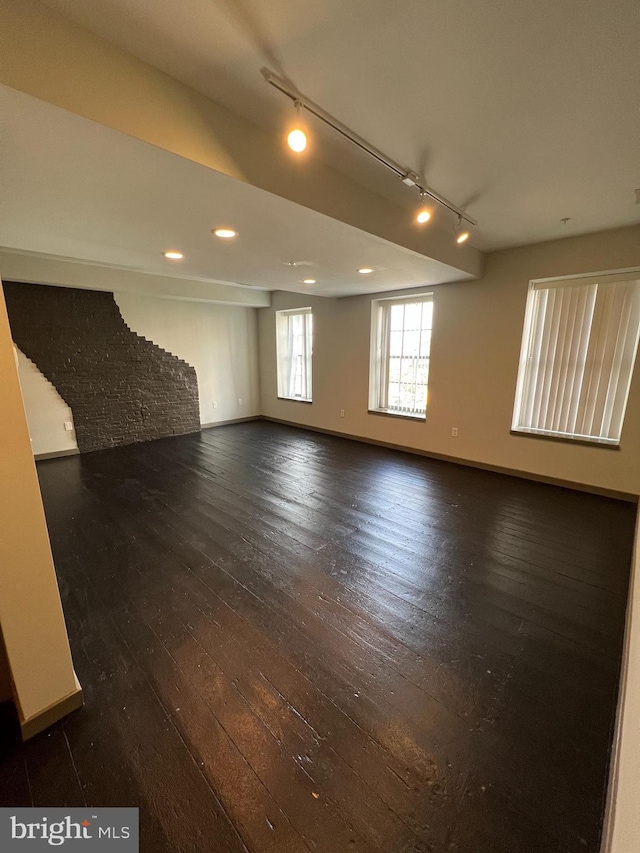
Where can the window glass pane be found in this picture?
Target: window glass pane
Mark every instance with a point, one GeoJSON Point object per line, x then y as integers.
{"type": "Point", "coordinates": [294, 348]}
{"type": "Point", "coordinates": [411, 343]}
{"type": "Point", "coordinates": [425, 344]}
{"type": "Point", "coordinates": [412, 316]}
{"type": "Point", "coordinates": [394, 395]}
{"type": "Point", "coordinates": [395, 343]}
{"type": "Point", "coordinates": [397, 318]}
{"type": "Point", "coordinates": [404, 330]}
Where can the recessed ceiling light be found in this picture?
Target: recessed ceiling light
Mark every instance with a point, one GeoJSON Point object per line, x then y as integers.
{"type": "Point", "coordinates": [308, 281]}
{"type": "Point", "coordinates": [365, 270]}
{"type": "Point", "coordinates": [173, 256]}
{"type": "Point", "coordinates": [225, 233]}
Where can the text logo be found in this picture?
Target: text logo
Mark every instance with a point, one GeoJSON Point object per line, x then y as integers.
{"type": "Point", "coordinates": [70, 829]}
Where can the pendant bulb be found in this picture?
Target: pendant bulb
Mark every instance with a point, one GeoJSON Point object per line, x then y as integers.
{"type": "Point", "coordinates": [461, 235]}
{"type": "Point", "coordinates": [297, 138]}
{"type": "Point", "coordinates": [424, 214]}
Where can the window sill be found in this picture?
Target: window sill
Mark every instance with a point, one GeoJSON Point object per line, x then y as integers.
{"type": "Point", "coordinates": [296, 400]}
{"type": "Point", "coordinates": [386, 413]}
{"type": "Point", "coordinates": [567, 439]}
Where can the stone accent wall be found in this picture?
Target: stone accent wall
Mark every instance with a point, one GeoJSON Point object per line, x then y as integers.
{"type": "Point", "coordinates": [120, 387]}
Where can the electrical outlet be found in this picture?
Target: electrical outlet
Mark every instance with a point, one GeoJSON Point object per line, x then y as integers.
{"type": "Point", "coordinates": [341, 413]}
{"type": "Point", "coordinates": [454, 432]}
{"type": "Point", "coordinates": [239, 401]}
{"type": "Point", "coordinates": [215, 405]}
{"type": "Point", "coordinates": [68, 426]}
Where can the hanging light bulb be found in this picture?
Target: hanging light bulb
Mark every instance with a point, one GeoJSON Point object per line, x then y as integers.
{"type": "Point", "coordinates": [461, 235]}
{"type": "Point", "coordinates": [424, 214]}
{"type": "Point", "coordinates": [297, 138]}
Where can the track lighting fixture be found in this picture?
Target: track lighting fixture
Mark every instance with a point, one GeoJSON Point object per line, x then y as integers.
{"type": "Point", "coordinates": [297, 140]}
{"type": "Point", "coordinates": [424, 214]}
{"type": "Point", "coordinates": [461, 234]}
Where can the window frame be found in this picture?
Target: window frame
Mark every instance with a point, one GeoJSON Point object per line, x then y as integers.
{"type": "Point", "coordinates": [586, 279]}
{"type": "Point", "coordinates": [307, 338]}
{"type": "Point", "coordinates": [379, 355]}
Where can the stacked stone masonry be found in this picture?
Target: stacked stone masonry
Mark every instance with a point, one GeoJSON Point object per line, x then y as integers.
{"type": "Point", "coordinates": [120, 387]}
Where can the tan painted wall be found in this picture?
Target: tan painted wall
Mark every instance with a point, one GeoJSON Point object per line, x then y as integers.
{"type": "Point", "coordinates": [475, 354]}
{"type": "Point", "coordinates": [30, 610]}
{"type": "Point", "coordinates": [52, 58]}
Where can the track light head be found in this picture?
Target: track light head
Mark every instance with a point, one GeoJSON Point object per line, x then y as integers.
{"type": "Point", "coordinates": [461, 234]}
{"type": "Point", "coordinates": [297, 138]}
{"type": "Point", "coordinates": [424, 214]}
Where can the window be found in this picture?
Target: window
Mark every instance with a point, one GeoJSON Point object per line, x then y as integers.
{"type": "Point", "coordinates": [400, 346]}
{"type": "Point", "coordinates": [578, 351]}
{"type": "Point", "coordinates": [294, 338]}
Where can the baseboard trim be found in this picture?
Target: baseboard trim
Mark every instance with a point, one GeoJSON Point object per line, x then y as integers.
{"type": "Point", "coordinates": [469, 463]}
{"type": "Point", "coordinates": [214, 424]}
{"type": "Point", "coordinates": [56, 454]}
{"type": "Point", "coordinates": [41, 721]}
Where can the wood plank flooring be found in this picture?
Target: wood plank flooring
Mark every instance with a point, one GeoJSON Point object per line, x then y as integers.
{"type": "Point", "coordinates": [294, 642]}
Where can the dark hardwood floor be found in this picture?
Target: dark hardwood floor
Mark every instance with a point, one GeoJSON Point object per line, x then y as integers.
{"type": "Point", "coordinates": [294, 642]}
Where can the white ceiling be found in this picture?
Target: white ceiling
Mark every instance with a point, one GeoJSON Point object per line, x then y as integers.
{"type": "Point", "coordinates": [525, 112]}
{"type": "Point", "coordinates": [75, 189]}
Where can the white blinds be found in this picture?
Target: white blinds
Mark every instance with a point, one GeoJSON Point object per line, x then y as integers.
{"type": "Point", "coordinates": [294, 331]}
{"type": "Point", "coordinates": [578, 354]}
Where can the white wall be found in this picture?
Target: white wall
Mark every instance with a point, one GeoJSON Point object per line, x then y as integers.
{"type": "Point", "coordinates": [46, 411]}
{"type": "Point", "coordinates": [219, 341]}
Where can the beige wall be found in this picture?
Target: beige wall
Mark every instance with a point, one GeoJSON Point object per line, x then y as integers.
{"type": "Point", "coordinates": [475, 355]}
{"type": "Point", "coordinates": [31, 615]}
{"type": "Point", "coordinates": [219, 341]}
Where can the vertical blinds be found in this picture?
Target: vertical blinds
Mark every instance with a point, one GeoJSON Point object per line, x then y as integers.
{"type": "Point", "coordinates": [578, 355]}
